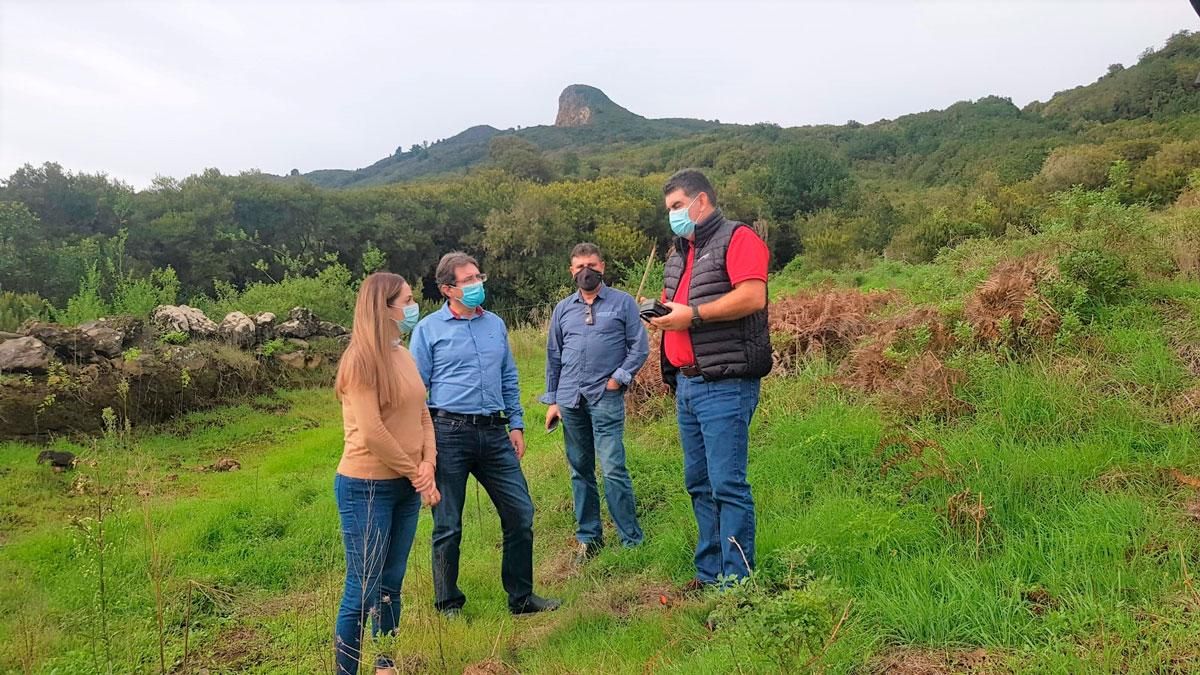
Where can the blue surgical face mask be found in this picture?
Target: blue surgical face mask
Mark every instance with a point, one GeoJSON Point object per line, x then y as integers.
{"type": "Point", "coordinates": [411, 314]}
{"type": "Point", "coordinates": [473, 295]}
{"type": "Point", "coordinates": [682, 224]}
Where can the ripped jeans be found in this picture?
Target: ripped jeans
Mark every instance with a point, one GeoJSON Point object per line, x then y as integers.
{"type": "Point", "coordinates": [379, 519]}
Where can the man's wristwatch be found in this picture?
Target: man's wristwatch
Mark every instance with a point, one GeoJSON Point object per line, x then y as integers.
{"type": "Point", "coordinates": [696, 320]}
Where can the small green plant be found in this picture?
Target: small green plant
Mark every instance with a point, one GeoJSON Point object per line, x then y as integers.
{"type": "Point", "coordinates": [781, 610]}
{"type": "Point", "coordinates": [47, 403]}
{"type": "Point", "coordinates": [276, 346]}
{"type": "Point", "coordinates": [175, 337]}
{"type": "Point", "coordinates": [59, 378]}
{"type": "Point", "coordinates": [131, 354]}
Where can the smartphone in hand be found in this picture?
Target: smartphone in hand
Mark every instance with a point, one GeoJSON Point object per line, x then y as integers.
{"type": "Point", "coordinates": [553, 425]}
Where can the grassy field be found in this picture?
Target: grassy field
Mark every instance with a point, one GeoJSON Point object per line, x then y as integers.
{"type": "Point", "coordinates": [1050, 525]}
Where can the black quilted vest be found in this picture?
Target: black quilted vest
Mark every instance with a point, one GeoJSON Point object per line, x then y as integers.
{"type": "Point", "coordinates": [724, 349]}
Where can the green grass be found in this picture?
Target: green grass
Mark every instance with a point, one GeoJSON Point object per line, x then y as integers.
{"type": "Point", "coordinates": [1068, 449]}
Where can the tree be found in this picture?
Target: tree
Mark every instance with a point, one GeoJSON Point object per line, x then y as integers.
{"type": "Point", "coordinates": [520, 158]}
{"type": "Point", "coordinates": [20, 247]}
{"type": "Point", "coordinates": [803, 179]}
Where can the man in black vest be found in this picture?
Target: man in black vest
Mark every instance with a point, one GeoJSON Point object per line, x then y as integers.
{"type": "Point", "coordinates": [715, 350]}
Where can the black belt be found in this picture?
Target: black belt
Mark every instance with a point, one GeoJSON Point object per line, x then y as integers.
{"type": "Point", "coordinates": [691, 371]}
{"type": "Point", "coordinates": [496, 420]}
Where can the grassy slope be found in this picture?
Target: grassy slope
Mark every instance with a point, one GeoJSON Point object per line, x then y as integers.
{"type": "Point", "coordinates": [1069, 448]}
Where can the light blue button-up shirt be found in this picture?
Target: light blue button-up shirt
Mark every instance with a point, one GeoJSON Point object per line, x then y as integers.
{"type": "Point", "coordinates": [581, 357]}
{"type": "Point", "coordinates": [467, 365]}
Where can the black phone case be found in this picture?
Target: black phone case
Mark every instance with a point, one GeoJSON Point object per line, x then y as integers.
{"type": "Point", "coordinates": [649, 309]}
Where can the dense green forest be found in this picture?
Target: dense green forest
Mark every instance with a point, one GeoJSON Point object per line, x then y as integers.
{"type": "Point", "coordinates": [75, 245]}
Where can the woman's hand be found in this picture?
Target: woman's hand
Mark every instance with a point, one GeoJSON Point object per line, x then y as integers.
{"type": "Point", "coordinates": [424, 480]}
{"type": "Point", "coordinates": [431, 497]}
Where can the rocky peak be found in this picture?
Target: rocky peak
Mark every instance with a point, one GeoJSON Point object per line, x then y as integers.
{"type": "Point", "coordinates": [580, 105]}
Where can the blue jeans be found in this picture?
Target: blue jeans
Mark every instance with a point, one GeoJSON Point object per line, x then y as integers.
{"type": "Point", "coordinates": [714, 429]}
{"type": "Point", "coordinates": [379, 519]}
{"type": "Point", "coordinates": [591, 432]}
{"type": "Point", "coordinates": [487, 453]}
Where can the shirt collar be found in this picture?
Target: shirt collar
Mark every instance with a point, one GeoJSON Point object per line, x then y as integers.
{"type": "Point", "coordinates": [578, 295]}
{"type": "Point", "coordinates": [449, 314]}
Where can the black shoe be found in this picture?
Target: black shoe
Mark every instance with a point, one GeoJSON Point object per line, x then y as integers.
{"type": "Point", "coordinates": [587, 551]}
{"type": "Point", "coordinates": [451, 612]}
{"type": "Point", "coordinates": [534, 604]}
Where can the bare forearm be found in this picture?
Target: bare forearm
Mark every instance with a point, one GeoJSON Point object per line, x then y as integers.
{"type": "Point", "coordinates": [747, 298]}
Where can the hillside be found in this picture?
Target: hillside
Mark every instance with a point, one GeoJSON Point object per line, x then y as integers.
{"type": "Point", "coordinates": [587, 121]}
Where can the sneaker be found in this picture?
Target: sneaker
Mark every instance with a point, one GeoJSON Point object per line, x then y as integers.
{"type": "Point", "coordinates": [585, 551]}
{"type": "Point", "coordinates": [694, 587]}
{"type": "Point", "coordinates": [534, 604]}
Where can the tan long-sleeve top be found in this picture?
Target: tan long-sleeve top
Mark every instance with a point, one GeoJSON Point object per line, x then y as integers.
{"type": "Point", "coordinates": [388, 443]}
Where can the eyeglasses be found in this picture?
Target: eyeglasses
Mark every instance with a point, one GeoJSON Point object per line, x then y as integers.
{"type": "Point", "coordinates": [587, 318]}
{"type": "Point", "coordinates": [477, 279]}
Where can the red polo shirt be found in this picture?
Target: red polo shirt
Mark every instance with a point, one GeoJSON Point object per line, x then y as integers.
{"type": "Point", "coordinates": [746, 258]}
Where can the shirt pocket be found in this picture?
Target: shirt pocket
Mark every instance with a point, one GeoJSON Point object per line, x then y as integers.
{"type": "Point", "coordinates": [610, 329]}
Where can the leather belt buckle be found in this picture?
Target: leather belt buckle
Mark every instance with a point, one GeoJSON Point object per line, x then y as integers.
{"type": "Point", "coordinates": [691, 371]}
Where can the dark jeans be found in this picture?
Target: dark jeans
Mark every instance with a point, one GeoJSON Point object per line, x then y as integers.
{"type": "Point", "coordinates": [379, 518]}
{"type": "Point", "coordinates": [714, 428]}
{"type": "Point", "coordinates": [591, 432]}
{"type": "Point", "coordinates": [487, 453]}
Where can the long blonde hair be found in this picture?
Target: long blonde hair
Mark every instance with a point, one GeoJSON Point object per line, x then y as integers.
{"type": "Point", "coordinates": [367, 363]}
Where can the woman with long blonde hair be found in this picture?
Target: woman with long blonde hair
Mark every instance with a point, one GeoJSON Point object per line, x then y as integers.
{"type": "Point", "coordinates": [387, 468]}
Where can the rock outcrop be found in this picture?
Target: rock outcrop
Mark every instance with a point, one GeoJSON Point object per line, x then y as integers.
{"type": "Point", "coordinates": [183, 319]}
{"type": "Point", "coordinates": [24, 354]}
{"type": "Point", "coordinates": [580, 105]}
{"type": "Point", "coordinates": [71, 344]}
{"type": "Point", "coordinates": [238, 329]}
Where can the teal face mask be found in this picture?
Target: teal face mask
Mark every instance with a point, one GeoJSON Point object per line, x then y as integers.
{"type": "Point", "coordinates": [411, 314]}
{"type": "Point", "coordinates": [681, 224]}
{"type": "Point", "coordinates": [473, 295]}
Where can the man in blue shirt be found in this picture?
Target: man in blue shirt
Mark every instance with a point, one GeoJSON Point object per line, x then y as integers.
{"type": "Point", "coordinates": [463, 356]}
{"type": "Point", "coordinates": [596, 345]}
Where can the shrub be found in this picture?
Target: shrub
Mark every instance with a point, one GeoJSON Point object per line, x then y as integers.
{"type": "Point", "coordinates": [921, 240]}
{"type": "Point", "coordinates": [139, 296]}
{"type": "Point", "coordinates": [1088, 280]}
{"type": "Point", "coordinates": [86, 304]}
{"type": "Point", "coordinates": [1076, 165]}
{"type": "Point", "coordinates": [1161, 177]}
{"type": "Point", "coordinates": [330, 295]}
{"type": "Point", "coordinates": [17, 308]}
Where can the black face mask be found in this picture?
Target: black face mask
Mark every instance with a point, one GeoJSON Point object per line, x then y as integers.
{"type": "Point", "coordinates": [588, 279]}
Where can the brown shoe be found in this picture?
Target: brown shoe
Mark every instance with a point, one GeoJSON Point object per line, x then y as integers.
{"type": "Point", "coordinates": [693, 587]}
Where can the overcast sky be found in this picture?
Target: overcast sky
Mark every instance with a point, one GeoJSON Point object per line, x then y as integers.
{"type": "Point", "coordinates": [136, 89]}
